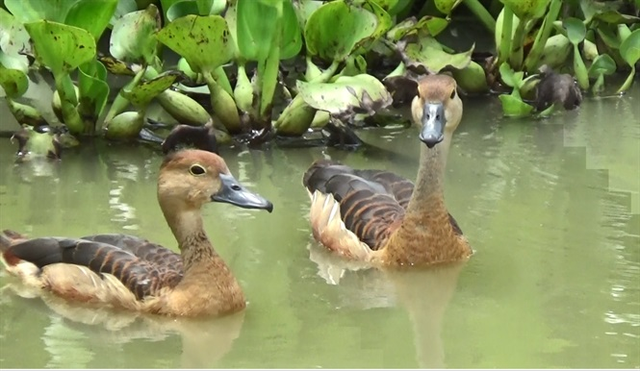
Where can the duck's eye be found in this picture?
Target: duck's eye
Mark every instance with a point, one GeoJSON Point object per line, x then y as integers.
{"type": "Point", "coordinates": [453, 94]}
{"type": "Point", "coordinates": [197, 170]}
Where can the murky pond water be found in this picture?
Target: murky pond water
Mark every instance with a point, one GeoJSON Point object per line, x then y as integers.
{"type": "Point", "coordinates": [551, 207]}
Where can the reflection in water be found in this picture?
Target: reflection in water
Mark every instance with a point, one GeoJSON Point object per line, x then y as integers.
{"type": "Point", "coordinates": [75, 328]}
{"type": "Point", "coordinates": [424, 293]}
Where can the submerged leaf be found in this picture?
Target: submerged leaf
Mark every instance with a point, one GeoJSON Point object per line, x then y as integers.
{"type": "Point", "coordinates": [347, 95]}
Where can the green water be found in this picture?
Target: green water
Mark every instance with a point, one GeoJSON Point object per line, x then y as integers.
{"type": "Point", "coordinates": [551, 208]}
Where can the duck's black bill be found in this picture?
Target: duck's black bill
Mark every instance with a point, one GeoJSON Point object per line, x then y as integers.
{"type": "Point", "coordinates": [235, 194]}
{"type": "Point", "coordinates": [433, 123]}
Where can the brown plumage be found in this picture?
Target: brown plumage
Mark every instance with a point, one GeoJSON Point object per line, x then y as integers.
{"type": "Point", "coordinates": [132, 273]}
{"type": "Point", "coordinates": [383, 218]}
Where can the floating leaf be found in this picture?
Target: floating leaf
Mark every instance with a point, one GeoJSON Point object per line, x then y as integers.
{"type": "Point", "coordinates": [60, 47]}
{"type": "Point", "coordinates": [14, 38]}
{"type": "Point", "coordinates": [335, 29]}
{"type": "Point", "coordinates": [348, 94]}
{"type": "Point", "coordinates": [576, 31]}
{"type": "Point", "coordinates": [513, 106]}
{"type": "Point", "coordinates": [91, 15]}
{"type": "Point", "coordinates": [203, 41]}
{"type": "Point", "coordinates": [630, 48]}
{"type": "Point", "coordinates": [133, 36]}
{"type": "Point", "coordinates": [93, 89]}
{"type": "Point", "coordinates": [602, 65]}
{"type": "Point", "coordinates": [527, 9]}
{"type": "Point", "coordinates": [27, 11]}
{"type": "Point", "coordinates": [141, 94]}
{"type": "Point", "coordinates": [430, 55]}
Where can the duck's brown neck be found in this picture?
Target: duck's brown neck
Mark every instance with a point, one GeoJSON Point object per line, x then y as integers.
{"type": "Point", "coordinates": [428, 194]}
{"type": "Point", "coordinates": [186, 225]}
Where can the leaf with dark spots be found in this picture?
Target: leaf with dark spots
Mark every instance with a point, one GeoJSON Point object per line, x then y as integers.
{"type": "Point", "coordinates": [427, 55]}
{"type": "Point", "coordinates": [56, 45]}
{"type": "Point", "coordinates": [133, 36]}
{"type": "Point", "coordinates": [144, 92]}
{"type": "Point", "coordinates": [184, 35]}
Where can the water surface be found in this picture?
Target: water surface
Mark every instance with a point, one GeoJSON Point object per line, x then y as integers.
{"type": "Point", "coordinates": [551, 208]}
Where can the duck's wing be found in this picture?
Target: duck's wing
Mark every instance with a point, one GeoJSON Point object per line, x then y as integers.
{"type": "Point", "coordinates": [397, 186]}
{"type": "Point", "coordinates": [85, 270]}
{"type": "Point", "coordinates": [142, 248]}
{"type": "Point", "coordinates": [351, 212]}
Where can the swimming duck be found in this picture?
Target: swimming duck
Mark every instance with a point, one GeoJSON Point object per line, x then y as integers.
{"type": "Point", "coordinates": [132, 273]}
{"type": "Point", "coordinates": [382, 218]}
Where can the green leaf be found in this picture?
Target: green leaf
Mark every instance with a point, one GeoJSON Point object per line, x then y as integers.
{"type": "Point", "coordinates": [348, 94]}
{"type": "Point", "coordinates": [181, 9]}
{"type": "Point", "coordinates": [602, 65]}
{"type": "Point", "coordinates": [203, 41]}
{"type": "Point", "coordinates": [429, 55]}
{"type": "Point", "coordinates": [27, 11]}
{"type": "Point", "coordinates": [60, 47]}
{"type": "Point", "coordinates": [579, 69]}
{"type": "Point", "coordinates": [166, 5]}
{"type": "Point", "coordinates": [630, 48]}
{"type": "Point", "coordinates": [124, 7]}
{"type": "Point", "coordinates": [576, 31]}
{"type": "Point", "coordinates": [446, 6]}
{"type": "Point", "coordinates": [91, 15]}
{"type": "Point", "coordinates": [291, 41]}
{"type": "Point", "coordinates": [335, 29]}
{"type": "Point", "coordinates": [513, 106]}
{"type": "Point", "coordinates": [14, 82]}
{"type": "Point", "coordinates": [93, 88]}
{"type": "Point", "coordinates": [141, 94]}
{"type": "Point", "coordinates": [427, 25]}
{"type": "Point", "coordinates": [133, 36]}
{"type": "Point", "coordinates": [256, 27]}
{"type": "Point", "coordinates": [14, 38]}
{"type": "Point", "coordinates": [508, 76]}
{"type": "Point", "coordinates": [304, 9]}
{"type": "Point", "coordinates": [386, 4]}
{"type": "Point", "coordinates": [527, 9]}
{"type": "Point", "coordinates": [472, 79]}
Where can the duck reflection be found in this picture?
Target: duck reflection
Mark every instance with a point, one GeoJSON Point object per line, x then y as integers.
{"type": "Point", "coordinates": [204, 341]}
{"type": "Point", "coordinates": [424, 293]}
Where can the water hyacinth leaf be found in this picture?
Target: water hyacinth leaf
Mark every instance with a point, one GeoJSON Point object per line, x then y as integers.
{"type": "Point", "coordinates": [630, 48]}
{"type": "Point", "coordinates": [93, 88]}
{"type": "Point", "coordinates": [386, 4]}
{"type": "Point", "coordinates": [348, 94]}
{"type": "Point", "coordinates": [446, 6]}
{"type": "Point", "coordinates": [384, 23]}
{"type": "Point", "coordinates": [181, 9]}
{"type": "Point", "coordinates": [124, 7]}
{"type": "Point", "coordinates": [141, 94]}
{"type": "Point", "coordinates": [133, 36]}
{"type": "Point", "coordinates": [91, 15]}
{"type": "Point", "coordinates": [512, 106]}
{"type": "Point", "coordinates": [527, 9]}
{"type": "Point", "coordinates": [165, 5]}
{"type": "Point", "coordinates": [428, 24]}
{"type": "Point", "coordinates": [429, 55]}
{"type": "Point", "coordinates": [203, 41]}
{"type": "Point", "coordinates": [576, 31]}
{"type": "Point", "coordinates": [602, 65]}
{"type": "Point", "coordinates": [14, 82]}
{"type": "Point", "coordinates": [60, 47]}
{"type": "Point", "coordinates": [14, 38]}
{"type": "Point", "coordinates": [579, 69]}
{"type": "Point", "coordinates": [507, 75]}
{"type": "Point", "coordinates": [291, 41]}
{"type": "Point", "coordinates": [27, 11]}
{"type": "Point", "coordinates": [472, 79]}
{"type": "Point", "coordinates": [256, 26]}
{"type": "Point", "coordinates": [335, 28]}
{"type": "Point", "coordinates": [304, 9]}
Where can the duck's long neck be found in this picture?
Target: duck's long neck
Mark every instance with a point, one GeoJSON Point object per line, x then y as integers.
{"type": "Point", "coordinates": [428, 194]}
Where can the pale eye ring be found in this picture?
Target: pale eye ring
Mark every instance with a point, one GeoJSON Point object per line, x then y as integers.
{"type": "Point", "coordinates": [197, 170]}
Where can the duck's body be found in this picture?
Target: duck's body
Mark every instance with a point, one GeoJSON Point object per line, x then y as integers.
{"type": "Point", "coordinates": [132, 273]}
{"type": "Point", "coordinates": [380, 217]}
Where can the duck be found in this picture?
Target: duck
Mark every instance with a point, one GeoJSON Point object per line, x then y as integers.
{"type": "Point", "coordinates": [131, 273]}
{"type": "Point", "coordinates": [383, 219]}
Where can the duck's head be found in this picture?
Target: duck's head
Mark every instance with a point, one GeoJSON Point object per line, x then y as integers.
{"type": "Point", "coordinates": [437, 108]}
{"type": "Point", "coordinates": [191, 178]}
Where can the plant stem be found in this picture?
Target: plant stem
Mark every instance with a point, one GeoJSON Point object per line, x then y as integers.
{"type": "Point", "coordinates": [268, 70]}
{"type": "Point", "coordinates": [68, 103]}
{"type": "Point", "coordinates": [221, 78]}
{"type": "Point", "coordinates": [627, 83]}
{"type": "Point", "coordinates": [120, 102]}
{"type": "Point", "coordinates": [482, 13]}
{"type": "Point", "coordinates": [531, 62]}
{"type": "Point", "coordinates": [327, 74]}
{"type": "Point", "coordinates": [517, 44]}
